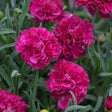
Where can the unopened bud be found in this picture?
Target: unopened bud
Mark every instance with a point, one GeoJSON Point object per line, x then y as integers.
{"type": "Point", "coordinates": [17, 12]}
{"type": "Point", "coordinates": [44, 110]}
{"type": "Point", "coordinates": [102, 38]}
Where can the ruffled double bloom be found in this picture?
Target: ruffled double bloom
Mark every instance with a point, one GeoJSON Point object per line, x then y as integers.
{"type": "Point", "coordinates": [102, 7]}
{"type": "Point", "coordinates": [108, 103]}
{"type": "Point", "coordinates": [37, 47]}
{"type": "Point", "coordinates": [47, 10]}
{"type": "Point", "coordinates": [67, 77]}
{"type": "Point", "coordinates": [10, 101]}
{"type": "Point", "coordinates": [74, 35]}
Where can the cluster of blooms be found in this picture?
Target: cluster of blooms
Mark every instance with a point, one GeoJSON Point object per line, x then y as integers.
{"type": "Point", "coordinates": [104, 7]}
{"type": "Point", "coordinates": [67, 77]}
{"type": "Point", "coordinates": [68, 41]}
{"type": "Point", "coordinates": [10, 101]}
{"type": "Point", "coordinates": [108, 103]}
{"type": "Point", "coordinates": [74, 36]}
{"type": "Point", "coordinates": [37, 47]}
{"type": "Point", "coordinates": [47, 10]}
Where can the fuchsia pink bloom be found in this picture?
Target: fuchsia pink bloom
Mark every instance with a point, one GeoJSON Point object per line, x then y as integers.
{"type": "Point", "coordinates": [10, 101]}
{"type": "Point", "coordinates": [74, 36]}
{"type": "Point", "coordinates": [67, 77]}
{"type": "Point", "coordinates": [47, 10]}
{"type": "Point", "coordinates": [104, 7]}
{"type": "Point", "coordinates": [108, 103]}
{"type": "Point", "coordinates": [37, 47]}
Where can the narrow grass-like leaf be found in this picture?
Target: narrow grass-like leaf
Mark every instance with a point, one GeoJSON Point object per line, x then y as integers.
{"type": "Point", "coordinates": [110, 92]}
{"type": "Point", "coordinates": [110, 64]}
{"type": "Point", "coordinates": [40, 25]}
{"type": "Point", "coordinates": [12, 2]}
{"type": "Point", "coordinates": [91, 97]}
{"type": "Point", "coordinates": [31, 101]}
{"type": "Point", "coordinates": [2, 39]}
{"type": "Point", "coordinates": [45, 102]}
{"type": "Point", "coordinates": [5, 77]}
{"type": "Point", "coordinates": [11, 111]}
{"type": "Point", "coordinates": [87, 109]}
{"type": "Point", "coordinates": [74, 107]}
{"type": "Point", "coordinates": [6, 31]}
{"type": "Point", "coordinates": [26, 93]}
{"type": "Point", "coordinates": [10, 60]}
{"type": "Point", "coordinates": [101, 60]}
{"type": "Point", "coordinates": [14, 54]}
{"type": "Point", "coordinates": [7, 46]}
{"type": "Point", "coordinates": [38, 107]}
{"type": "Point", "coordinates": [91, 58]}
{"type": "Point", "coordinates": [24, 11]}
{"type": "Point", "coordinates": [99, 103]}
{"type": "Point", "coordinates": [9, 21]}
{"type": "Point", "coordinates": [3, 20]}
{"type": "Point", "coordinates": [35, 83]}
{"type": "Point", "coordinates": [105, 74]}
{"type": "Point", "coordinates": [15, 73]}
{"type": "Point", "coordinates": [74, 98]}
{"type": "Point", "coordinates": [69, 103]}
{"type": "Point", "coordinates": [20, 84]}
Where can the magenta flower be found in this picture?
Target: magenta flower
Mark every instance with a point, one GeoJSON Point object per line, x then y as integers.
{"type": "Point", "coordinates": [83, 2]}
{"type": "Point", "coordinates": [47, 10]}
{"type": "Point", "coordinates": [104, 7]}
{"type": "Point", "coordinates": [10, 101]}
{"type": "Point", "coordinates": [67, 77]}
{"type": "Point", "coordinates": [108, 103]}
{"type": "Point", "coordinates": [74, 36]}
{"type": "Point", "coordinates": [37, 47]}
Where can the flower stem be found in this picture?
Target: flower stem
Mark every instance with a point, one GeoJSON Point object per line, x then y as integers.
{"type": "Point", "coordinates": [104, 86]}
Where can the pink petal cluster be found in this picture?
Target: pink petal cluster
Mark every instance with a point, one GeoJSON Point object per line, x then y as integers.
{"type": "Point", "coordinates": [108, 103]}
{"type": "Point", "coordinates": [37, 47]}
{"type": "Point", "coordinates": [74, 36]}
{"type": "Point", "coordinates": [104, 7]}
{"type": "Point", "coordinates": [67, 77]}
{"type": "Point", "coordinates": [10, 101]}
{"type": "Point", "coordinates": [83, 2]}
{"type": "Point", "coordinates": [47, 10]}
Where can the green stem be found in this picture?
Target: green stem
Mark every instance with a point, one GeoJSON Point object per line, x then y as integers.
{"type": "Point", "coordinates": [13, 84]}
{"type": "Point", "coordinates": [17, 28]}
{"type": "Point", "coordinates": [104, 86]}
{"type": "Point", "coordinates": [94, 17]}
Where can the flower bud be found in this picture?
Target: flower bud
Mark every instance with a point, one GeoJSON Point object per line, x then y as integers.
{"type": "Point", "coordinates": [44, 110]}
{"type": "Point", "coordinates": [17, 12]}
{"type": "Point", "coordinates": [102, 38]}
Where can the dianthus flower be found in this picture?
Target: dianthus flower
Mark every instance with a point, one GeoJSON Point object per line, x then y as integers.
{"type": "Point", "coordinates": [74, 35]}
{"type": "Point", "coordinates": [47, 10]}
{"type": "Point", "coordinates": [108, 103]}
{"type": "Point", "coordinates": [103, 7]}
{"type": "Point", "coordinates": [67, 77]}
{"type": "Point", "coordinates": [10, 101]}
{"type": "Point", "coordinates": [37, 47]}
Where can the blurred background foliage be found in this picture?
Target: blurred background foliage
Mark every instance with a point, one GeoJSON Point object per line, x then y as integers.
{"type": "Point", "coordinates": [18, 77]}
